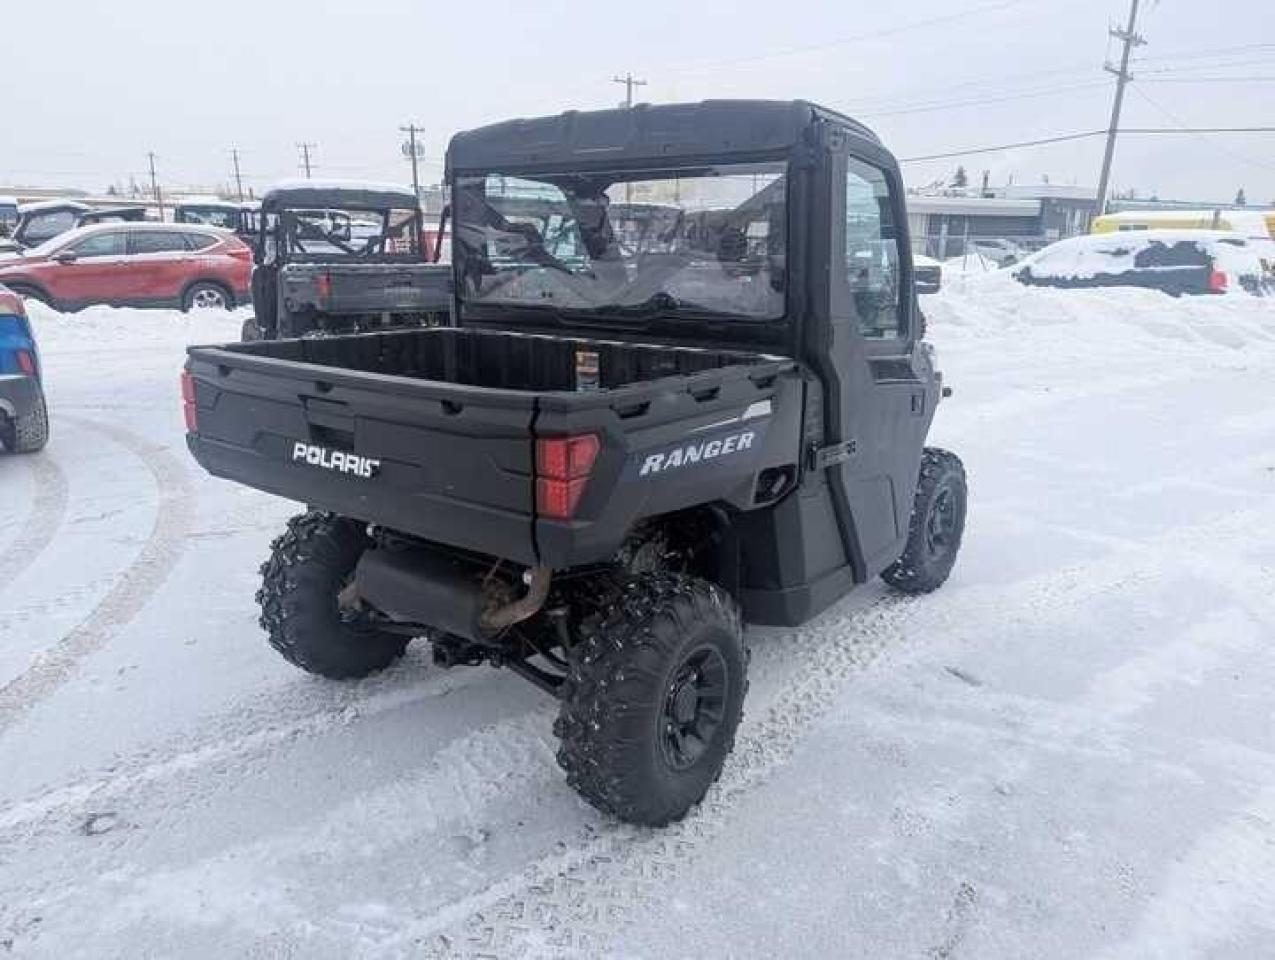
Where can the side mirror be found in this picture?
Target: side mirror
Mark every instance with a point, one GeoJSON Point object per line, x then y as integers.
{"type": "Point", "coordinates": [66, 256]}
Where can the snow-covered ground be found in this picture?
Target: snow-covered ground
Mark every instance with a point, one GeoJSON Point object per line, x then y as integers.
{"type": "Point", "coordinates": [1069, 751]}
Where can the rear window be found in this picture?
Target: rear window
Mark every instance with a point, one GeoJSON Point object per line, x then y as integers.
{"type": "Point", "coordinates": [156, 241]}
{"type": "Point", "coordinates": [199, 241]}
{"type": "Point", "coordinates": [1186, 253]}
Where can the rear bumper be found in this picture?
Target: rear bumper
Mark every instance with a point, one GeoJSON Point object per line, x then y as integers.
{"type": "Point", "coordinates": [19, 394]}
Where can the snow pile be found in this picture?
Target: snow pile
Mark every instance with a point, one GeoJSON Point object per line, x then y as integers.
{"type": "Point", "coordinates": [103, 328]}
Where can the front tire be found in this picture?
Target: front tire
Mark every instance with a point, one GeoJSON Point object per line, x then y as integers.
{"type": "Point", "coordinates": [27, 433]}
{"type": "Point", "coordinates": [308, 566]}
{"type": "Point", "coordinates": [653, 697]}
{"type": "Point", "coordinates": [936, 527]}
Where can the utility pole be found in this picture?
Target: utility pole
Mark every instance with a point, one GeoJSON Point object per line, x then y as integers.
{"type": "Point", "coordinates": [159, 200]}
{"type": "Point", "coordinates": [234, 156]}
{"type": "Point", "coordinates": [1131, 39]}
{"type": "Point", "coordinates": [629, 82]}
{"type": "Point", "coordinates": [413, 151]}
{"type": "Point", "coordinates": [305, 149]}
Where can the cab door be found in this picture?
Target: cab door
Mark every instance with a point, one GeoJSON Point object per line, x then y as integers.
{"type": "Point", "coordinates": [90, 270]}
{"type": "Point", "coordinates": [887, 388]}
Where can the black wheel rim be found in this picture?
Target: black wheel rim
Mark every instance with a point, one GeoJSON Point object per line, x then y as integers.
{"type": "Point", "coordinates": [694, 706]}
{"type": "Point", "coordinates": [940, 525]}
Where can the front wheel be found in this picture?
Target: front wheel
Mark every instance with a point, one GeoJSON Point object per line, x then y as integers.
{"type": "Point", "coordinates": [936, 527]}
{"type": "Point", "coordinates": [653, 697]}
{"type": "Point", "coordinates": [309, 565]}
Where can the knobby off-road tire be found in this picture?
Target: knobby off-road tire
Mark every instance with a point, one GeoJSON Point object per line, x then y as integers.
{"type": "Point", "coordinates": [653, 697]}
{"type": "Point", "coordinates": [28, 433]}
{"type": "Point", "coordinates": [308, 566]}
{"type": "Point", "coordinates": [936, 527]}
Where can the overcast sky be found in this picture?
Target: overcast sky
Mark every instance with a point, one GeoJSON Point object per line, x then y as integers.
{"type": "Point", "coordinates": [92, 86]}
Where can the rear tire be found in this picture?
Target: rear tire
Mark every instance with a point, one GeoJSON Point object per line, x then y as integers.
{"type": "Point", "coordinates": [653, 697]}
{"type": "Point", "coordinates": [250, 332]}
{"type": "Point", "coordinates": [26, 434]}
{"type": "Point", "coordinates": [936, 527]}
{"type": "Point", "coordinates": [308, 566]}
{"type": "Point", "coordinates": [206, 295]}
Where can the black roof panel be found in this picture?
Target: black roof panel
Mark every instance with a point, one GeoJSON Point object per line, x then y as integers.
{"type": "Point", "coordinates": [646, 132]}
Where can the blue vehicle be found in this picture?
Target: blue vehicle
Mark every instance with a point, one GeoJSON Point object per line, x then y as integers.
{"type": "Point", "coordinates": [24, 418]}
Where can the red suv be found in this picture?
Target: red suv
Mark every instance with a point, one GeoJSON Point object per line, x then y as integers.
{"type": "Point", "coordinates": [134, 264]}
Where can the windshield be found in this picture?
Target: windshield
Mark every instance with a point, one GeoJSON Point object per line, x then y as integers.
{"type": "Point", "coordinates": [227, 218]}
{"type": "Point", "coordinates": [642, 243]}
{"type": "Point", "coordinates": [326, 234]}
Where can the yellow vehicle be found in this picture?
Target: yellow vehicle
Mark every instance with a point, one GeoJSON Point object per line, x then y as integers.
{"type": "Point", "coordinates": [1253, 223]}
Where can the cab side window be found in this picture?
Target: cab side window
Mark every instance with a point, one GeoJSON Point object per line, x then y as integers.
{"type": "Point", "coordinates": [872, 253]}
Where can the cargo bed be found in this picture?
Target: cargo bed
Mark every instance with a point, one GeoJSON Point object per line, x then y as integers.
{"type": "Point", "coordinates": [449, 417]}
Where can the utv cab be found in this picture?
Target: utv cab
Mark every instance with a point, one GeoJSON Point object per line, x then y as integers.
{"type": "Point", "coordinates": [209, 212]}
{"type": "Point", "coordinates": [341, 257]}
{"type": "Point", "coordinates": [644, 428]}
{"type": "Point", "coordinates": [239, 217]}
{"type": "Point", "coordinates": [38, 222]}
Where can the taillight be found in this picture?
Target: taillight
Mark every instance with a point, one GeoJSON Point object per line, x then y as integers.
{"type": "Point", "coordinates": [324, 285]}
{"type": "Point", "coordinates": [189, 410]}
{"type": "Point", "coordinates": [26, 362]}
{"type": "Point", "coordinates": [563, 465]}
{"type": "Point", "coordinates": [1217, 281]}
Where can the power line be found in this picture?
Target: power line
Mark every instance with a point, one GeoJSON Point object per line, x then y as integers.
{"type": "Point", "coordinates": [1085, 135]}
{"type": "Point", "coordinates": [1131, 39]}
{"type": "Point", "coordinates": [1185, 127]}
{"type": "Point", "coordinates": [1212, 80]}
{"type": "Point", "coordinates": [1061, 138]}
{"type": "Point", "coordinates": [979, 101]}
{"type": "Point", "coordinates": [986, 8]}
{"type": "Point", "coordinates": [1205, 54]}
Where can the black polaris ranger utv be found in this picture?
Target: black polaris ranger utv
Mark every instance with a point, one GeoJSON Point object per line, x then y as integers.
{"type": "Point", "coordinates": [617, 454]}
{"type": "Point", "coordinates": [342, 257]}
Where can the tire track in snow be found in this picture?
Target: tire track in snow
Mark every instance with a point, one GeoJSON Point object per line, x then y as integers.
{"type": "Point", "coordinates": [196, 755]}
{"type": "Point", "coordinates": [131, 591]}
{"type": "Point", "coordinates": [588, 893]}
{"type": "Point", "coordinates": [42, 523]}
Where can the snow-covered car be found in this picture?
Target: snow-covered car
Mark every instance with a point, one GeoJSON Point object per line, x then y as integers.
{"type": "Point", "coordinates": [1002, 251]}
{"type": "Point", "coordinates": [1176, 262]}
{"type": "Point", "coordinates": [927, 274]}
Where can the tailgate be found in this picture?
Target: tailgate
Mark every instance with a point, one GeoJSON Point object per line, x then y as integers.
{"type": "Point", "coordinates": [446, 462]}
{"type": "Point", "coordinates": [368, 288]}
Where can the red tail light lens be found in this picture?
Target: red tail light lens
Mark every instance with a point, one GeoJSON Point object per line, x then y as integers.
{"type": "Point", "coordinates": [1218, 281]}
{"type": "Point", "coordinates": [26, 363]}
{"type": "Point", "coordinates": [324, 286]}
{"type": "Point", "coordinates": [563, 465]}
{"type": "Point", "coordinates": [189, 410]}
